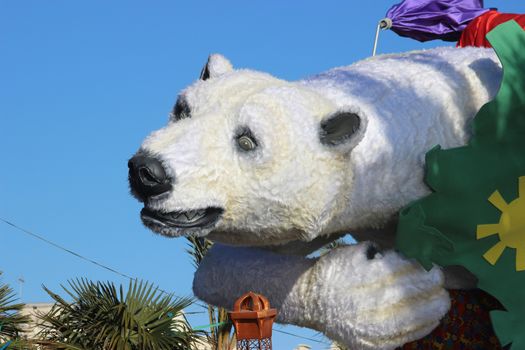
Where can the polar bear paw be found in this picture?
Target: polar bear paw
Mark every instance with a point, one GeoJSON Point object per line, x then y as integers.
{"type": "Point", "coordinates": [373, 300]}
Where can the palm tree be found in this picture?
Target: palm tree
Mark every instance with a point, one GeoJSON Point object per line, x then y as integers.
{"type": "Point", "coordinates": [220, 335]}
{"type": "Point", "coordinates": [100, 317]}
{"type": "Point", "coordinates": [12, 322]}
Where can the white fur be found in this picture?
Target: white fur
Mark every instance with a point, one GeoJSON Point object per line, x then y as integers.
{"type": "Point", "coordinates": [292, 187]}
{"type": "Point", "coordinates": [364, 304]}
{"type": "Point", "coordinates": [218, 65]}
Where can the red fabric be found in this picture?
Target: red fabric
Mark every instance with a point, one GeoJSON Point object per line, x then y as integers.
{"type": "Point", "coordinates": [467, 325]}
{"type": "Point", "coordinates": [474, 34]}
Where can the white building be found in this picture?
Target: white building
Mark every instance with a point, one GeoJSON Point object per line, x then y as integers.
{"type": "Point", "coordinates": [32, 310]}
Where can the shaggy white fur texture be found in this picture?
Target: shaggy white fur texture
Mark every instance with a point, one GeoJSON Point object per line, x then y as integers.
{"type": "Point", "coordinates": [377, 303]}
{"type": "Point", "coordinates": [294, 188]}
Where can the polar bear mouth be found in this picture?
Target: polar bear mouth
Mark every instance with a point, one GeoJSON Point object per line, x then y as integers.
{"type": "Point", "coordinates": [201, 218]}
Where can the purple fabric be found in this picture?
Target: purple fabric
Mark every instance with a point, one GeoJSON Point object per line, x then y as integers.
{"type": "Point", "coordinates": [425, 20]}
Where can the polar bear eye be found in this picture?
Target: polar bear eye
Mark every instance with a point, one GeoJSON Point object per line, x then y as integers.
{"type": "Point", "coordinates": [246, 143]}
{"type": "Point", "coordinates": [245, 140]}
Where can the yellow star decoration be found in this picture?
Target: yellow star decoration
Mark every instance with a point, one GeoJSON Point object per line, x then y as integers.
{"type": "Point", "coordinates": [511, 227]}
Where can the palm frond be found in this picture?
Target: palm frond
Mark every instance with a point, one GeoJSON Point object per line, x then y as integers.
{"type": "Point", "coordinates": [101, 316]}
{"type": "Point", "coordinates": [197, 248]}
{"type": "Point", "coordinates": [12, 322]}
{"type": "Point", "coordinates": [219, 337]}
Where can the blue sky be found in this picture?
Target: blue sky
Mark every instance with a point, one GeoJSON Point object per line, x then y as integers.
{"type": "Point", "coordinates": [83, 82]}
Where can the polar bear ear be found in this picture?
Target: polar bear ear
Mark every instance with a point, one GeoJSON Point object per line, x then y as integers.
{"type": "Point", "coordinates": [341, 130]}
{"type": "Point", "coordinates": [216, 66]}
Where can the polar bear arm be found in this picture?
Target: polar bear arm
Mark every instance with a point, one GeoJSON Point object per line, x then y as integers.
{"type": "Point", "coordinates": [304, 248]}
{"type": "Point", "coordinates": [378, 303]}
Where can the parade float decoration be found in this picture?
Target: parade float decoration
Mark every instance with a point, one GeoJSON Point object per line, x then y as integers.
{"type": "Point", "coordinates": [475, 216]}
{"type": "Point", "coordinates": [274, 170]}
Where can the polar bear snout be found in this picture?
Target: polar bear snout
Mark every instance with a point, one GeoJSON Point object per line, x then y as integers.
{"type": "Point", "coordinates": [147, 177]}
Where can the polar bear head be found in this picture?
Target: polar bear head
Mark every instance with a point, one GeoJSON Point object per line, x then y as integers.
{"type": "Point", "coordinates": [248, 159]}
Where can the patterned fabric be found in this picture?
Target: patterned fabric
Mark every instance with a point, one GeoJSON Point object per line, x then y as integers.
{"type": "Point", "coordinates": [467, 325]}
{"type": "Point", "coordinates": [451, 225]}
{"type": "Point", "coordinates": [474, 34]}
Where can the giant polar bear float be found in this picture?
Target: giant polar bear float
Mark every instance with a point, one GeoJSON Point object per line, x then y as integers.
{"type": "Point", "coordinates": [272, 170]}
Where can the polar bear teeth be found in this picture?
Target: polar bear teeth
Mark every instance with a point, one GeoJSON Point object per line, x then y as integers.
{"type": "Point", "coordinates": [190, 215]}
{"type": "Point", "coordinates": [177, 223]}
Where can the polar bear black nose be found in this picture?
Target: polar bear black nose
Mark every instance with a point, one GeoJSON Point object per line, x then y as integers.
{"type": "Point", "coordinates": [147, 177]}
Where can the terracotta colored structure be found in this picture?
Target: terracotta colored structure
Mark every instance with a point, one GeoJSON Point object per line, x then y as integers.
{"type": "Point", "coordinates": [253, 321]}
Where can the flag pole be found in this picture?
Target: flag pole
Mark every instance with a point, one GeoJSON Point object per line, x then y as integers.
{"type": "Point", "coordinates": [385, 23]}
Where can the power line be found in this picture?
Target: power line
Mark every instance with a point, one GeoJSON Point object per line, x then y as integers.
{"type": "Point", "coordinates": [67, 250]}
{"type": "Point", "coordinates": [300, 336]}
{"type": "Point", "coordinates": [58, 246]}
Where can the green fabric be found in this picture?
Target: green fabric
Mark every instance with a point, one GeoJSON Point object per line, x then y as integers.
{"type": "Point", "coordinates": [441, 228]}
{"type": "Point", "coordinates": [207, 326]}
